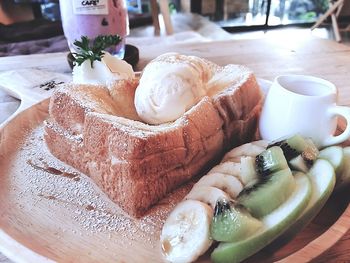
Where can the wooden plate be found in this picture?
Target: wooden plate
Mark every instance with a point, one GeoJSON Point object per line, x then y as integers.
{"type": "Point", "coordinates": [51, 212]}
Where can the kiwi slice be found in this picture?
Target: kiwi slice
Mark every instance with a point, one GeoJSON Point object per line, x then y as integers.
{"type": "Point", "coordinates": [307, 157]}
{"type": "Point", "coordinates": [254, 169]}
{"type": "Point", "coordinates": [291, 146]}
{"type": "Point", "coordinates": [269, 161]}
{"type": "Point", "coordinates": [268, 194]}
{"type": "Point", "coordinates": [232, 222]}
{"type": "Point", "coordinates": [297, 145]}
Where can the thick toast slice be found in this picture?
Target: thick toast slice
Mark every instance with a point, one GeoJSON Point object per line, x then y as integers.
{"type": "Point", "coordinates": [97, 131]}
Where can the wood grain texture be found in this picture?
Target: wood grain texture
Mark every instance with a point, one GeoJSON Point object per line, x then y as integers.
{"type": "Point", "coordinates": [267, 58]}
{"type": "Point", "coordinates": [270, 57]}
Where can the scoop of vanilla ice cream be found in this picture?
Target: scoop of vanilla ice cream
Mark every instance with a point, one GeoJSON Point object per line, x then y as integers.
{"type": "Point", "coordinates": [103, 72]}
{"type": "Point", "coordinates": [169, 86]}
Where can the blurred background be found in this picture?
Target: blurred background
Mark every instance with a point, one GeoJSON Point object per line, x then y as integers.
{"type": "Point", "coordinates": [25, 20]}
{"type": "Point", "coordinates": [227, 13]}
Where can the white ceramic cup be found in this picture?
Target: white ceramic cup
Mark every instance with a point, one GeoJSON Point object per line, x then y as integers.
{"type": "Point", "coordinates": [305, 105]}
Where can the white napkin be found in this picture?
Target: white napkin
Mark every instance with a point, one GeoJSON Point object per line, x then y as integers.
{"type": "Point", "coordinates": [31, 83]}
{"type": "Point", "coordinates": [8, 105]}
{"type": "Point", "coordinates": [23, 88]}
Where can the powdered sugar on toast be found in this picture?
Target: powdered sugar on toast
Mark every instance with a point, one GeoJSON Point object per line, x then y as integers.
{"type": "Point", "coordinates": [137, 164]}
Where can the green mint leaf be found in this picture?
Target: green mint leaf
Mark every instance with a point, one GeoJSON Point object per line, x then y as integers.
{"type": "Point", "coordinates": [93, 52]}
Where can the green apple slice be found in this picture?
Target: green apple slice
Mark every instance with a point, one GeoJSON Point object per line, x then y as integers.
{"type": "Point", "coordinates": [299, 164]}
{"type": "Point", "coordinates": [334, 155]}
{"type": "Point", "coordinates": [343, 178]}
{"type": "Point", "coordinates": [322, 179]}
{"type": "Point", "coordinates": [275, 223]}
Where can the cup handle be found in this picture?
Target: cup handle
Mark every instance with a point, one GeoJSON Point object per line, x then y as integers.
{"type": "Point", "coordinates": [344, 112]}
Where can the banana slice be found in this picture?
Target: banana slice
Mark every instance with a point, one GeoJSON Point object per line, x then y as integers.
{"type": "Point", "coordinates": [206, 194]}
{"type": "Point", "coordinates": [261, 143]}
{"type": "Point", "coordinates": [227, 183]}
{"type": "Point", "coordinates": [186, 233]}
{"type": "Point", "coordinates": [249, 149]}
{"type": "Point", "coordinates": [235, 159]}
{"type": "Point", "coordinates": [229, 168]}
{"type": "Point", "coordinates": [248, 174]}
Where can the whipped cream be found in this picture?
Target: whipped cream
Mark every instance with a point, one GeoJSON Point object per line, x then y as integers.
{"type": "Point", "coordinates": [169, 86]}
{"type": "Point", "coordinates": [103, 72]}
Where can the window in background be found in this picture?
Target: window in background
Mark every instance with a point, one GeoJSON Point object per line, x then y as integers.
{"type": "Point", "coordinates": [296, 11]}
{"type": "Point", "coordinates": [262, 13]}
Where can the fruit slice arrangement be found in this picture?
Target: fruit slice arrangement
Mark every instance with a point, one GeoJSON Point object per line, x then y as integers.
{"type": "Point", "coordinates": [259, 192]}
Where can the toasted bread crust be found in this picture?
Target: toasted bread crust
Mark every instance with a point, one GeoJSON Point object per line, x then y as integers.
{"type": "Point", "coordinates": [98, 132]}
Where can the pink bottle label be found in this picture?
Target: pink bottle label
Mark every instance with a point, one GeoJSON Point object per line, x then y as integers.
{"type": "Point", "coordinates": [90, 7]}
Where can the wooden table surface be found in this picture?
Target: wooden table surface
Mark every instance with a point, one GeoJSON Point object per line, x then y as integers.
{"type": "Point", "coordinates": [267, 57]}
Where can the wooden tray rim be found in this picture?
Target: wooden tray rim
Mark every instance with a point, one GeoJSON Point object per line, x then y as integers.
{"type": "Point", "coordinates": [14, 250]}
